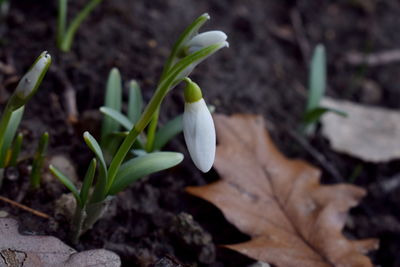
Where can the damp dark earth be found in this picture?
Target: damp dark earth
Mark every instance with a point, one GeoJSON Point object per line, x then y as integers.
{"type": "Point", "coordinates": [155, 222]}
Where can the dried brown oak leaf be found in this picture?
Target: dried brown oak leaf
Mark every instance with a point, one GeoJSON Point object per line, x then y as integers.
{"type": "Point", "coordinates": [46, 251]}
{"type": "Point", "coordinates": [292, 219]}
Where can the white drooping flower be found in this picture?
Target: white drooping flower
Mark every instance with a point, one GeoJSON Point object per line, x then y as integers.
{"type": "Point", "coordinates": [205, 39]}
{"type": "Point", "coordinates": [198, 128]}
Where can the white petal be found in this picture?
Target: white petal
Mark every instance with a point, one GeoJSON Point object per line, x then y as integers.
{"type": "Point", "coordinates": [199, 132]}
{"type": "Point", "coordinates": [205, 39]}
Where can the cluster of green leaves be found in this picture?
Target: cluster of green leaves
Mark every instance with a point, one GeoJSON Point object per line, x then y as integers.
{"type": "Point", "coordinates": [10, 141]}
{"type": "Point", "coordinates": [66, 34]}
{"type": "Point", "coordinates": [118, 162]}
{"type": "Point", "coordinates": [115, 119]}
{"type": "Point", "coordinates": [316, 91]}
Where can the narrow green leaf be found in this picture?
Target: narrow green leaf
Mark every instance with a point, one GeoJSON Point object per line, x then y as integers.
{"type": "Point", "coordinates": [76, 22]}
{"type": "Point", "coordinates": [87, 182]}
{"type": "Point", "coordinates": [113, 99]}
{"type": "Point", "coordinates": [61, 21]}
{"type": "Point", "coordinates": [65, 181]}
{"type": "Point", "coordinates": [16, 149]}
{"type": "Point", "coordinates": [167, 132]}
{"type": "Point", "coordinates": [116, 116]}
{"type": "Point", "coordinates": [315, 114]}
{"type": "Point", "coordinates": [139, 167]}
{"type": "Point", "coordinates": [9, 134]}
{"type": "Point", "coordinates": [101, 185]}
{"type": "Point", "coordinates": [38, 160]}
{"type": "Point", "coordinates": [95, 147]}
{"type": "Point", "coordinates": [135, 103]}
{"type": "Point", "coordinates": [317, 78]}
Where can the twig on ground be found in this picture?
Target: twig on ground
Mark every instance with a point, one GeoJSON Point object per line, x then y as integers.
{"type": "Point", "coordinates": [283, 32]}
{"type": "Point", "coordinates": [373, 59]}
{"type": "Point", "coordinates": [69, 96]}
{"type": "Point", "coordinates": [26, 208]}
{"type": "Point", "coordinates": [300, 34]}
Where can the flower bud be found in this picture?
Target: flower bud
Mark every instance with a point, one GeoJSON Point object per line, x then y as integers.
{"type": "Point", "coordinates": [198, 128]}
{"type": "Point", "coordinates": [205, 39]}
{"type": "Point", "coordinates": [30, 82]}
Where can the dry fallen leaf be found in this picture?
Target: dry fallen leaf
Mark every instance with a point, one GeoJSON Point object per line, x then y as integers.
{"type": "Point", "coordinates": [369, 133]}
{"type": "Point", "coordinates": [40, 251]}
{"type": "Point", "coordinates": [293, 219]}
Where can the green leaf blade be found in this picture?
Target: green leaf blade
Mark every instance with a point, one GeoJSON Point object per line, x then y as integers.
{"type": "Point", "coordinates": [113, 100]}
{"type": "Point", "coordinates": [38, 160]}
{"type": "Point", "coordinates": [87, 182]}
{"type": "Point", "coordinates": [95, 147]}
{"type": "Point", "coordinates": [76, 22]}
{"type": "Point", "coordinates": [118, 117]}
{"type": "Point", "coordinates": [317, 78]}
{"type": "Point", "coordinates": [315, 114]}
{"type": "Point", "coordinates": [102, 182]}
{"type": "Point", "coordinates": [135, 103]}
{"type": "Point", "coordinates": [167, 132]}
{"type": "Point", "coordinates": [139, 167]}
{"type": "Point", "coordinates": [15, 120]}
{"type": "Point", "coordinates": [66, 182]}
{"type": "Point", "coordinates": [16, 149]}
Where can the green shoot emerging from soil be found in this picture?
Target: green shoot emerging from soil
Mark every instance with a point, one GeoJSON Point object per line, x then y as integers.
{"type": "Point", "coordinates": [10, 145]}
{"type": "Point", "coordinates": [66, 34]}
{"type": "Point", "coordinates": [38, 160]}
{"type": "Point", "coordinates": [126, 165]}
{"type": "Point", "coordinates": [317, 86]}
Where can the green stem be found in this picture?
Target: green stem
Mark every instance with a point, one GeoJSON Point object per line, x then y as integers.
{"type": "Point", "coordinates": [100, 189]}
{"type": "Point", "coordinates": [16, 150]}
{"type": "Point", "coordinates": [38, 160]}
{"type": "Point", "coordinates": [151, 132]}
{"type": "Point", "coordinates": [77, 223]}
{"type": "Point", "coordinates": [188, 33]}
{"type": "Point", "coordinates": [5, 120]}
{"type": "Point", "coordinates": [61, 21]}
{"type": "Point", "coordinates": [93, 212]}
{"type": "Point", "coordinates": [147, 115]}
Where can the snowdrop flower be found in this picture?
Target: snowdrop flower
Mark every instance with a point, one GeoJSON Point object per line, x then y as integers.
{"type": "Point", "coordinates": [198, 127]}
{"type": "Point", "coordinates": [205, 39]}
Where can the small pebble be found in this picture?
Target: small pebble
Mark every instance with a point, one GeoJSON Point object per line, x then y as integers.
{"type": "Point", "coordinates": [3, 214]}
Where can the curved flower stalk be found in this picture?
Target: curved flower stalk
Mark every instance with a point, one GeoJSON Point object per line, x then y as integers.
{"type": "Point", "coordinates": [189, 45]}
{"type": "Point", "coordinates": [198, 128]}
